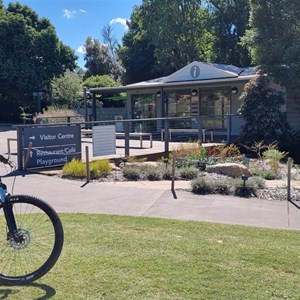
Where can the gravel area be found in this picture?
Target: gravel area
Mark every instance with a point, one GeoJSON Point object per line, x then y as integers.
{"type": "Point", "coordinates": [267, 193]}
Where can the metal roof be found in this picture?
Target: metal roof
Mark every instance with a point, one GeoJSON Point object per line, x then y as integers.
{"type": "Point", "coordinates": [194, 74]}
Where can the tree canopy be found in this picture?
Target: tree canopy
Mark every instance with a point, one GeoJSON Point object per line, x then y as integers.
{"type": "Point", "coordinates": [66, 90]}
{"type": "Point", "coordinates": [30, 56]}
{"type": "Point", "coordinates": [102, 58]}
{"type": "Point", "coordinates": [229, 21]}
{"type": "Point", "coordinates": [260, 109]}
{"type": "Point", "coordinates": [274, 38]}
{"type": "Point", "coordinates": [179, 31]}
{"type": "Point", "coordinates": [100, 81]}
{"type": "Point", "coordinates": [137, 52]}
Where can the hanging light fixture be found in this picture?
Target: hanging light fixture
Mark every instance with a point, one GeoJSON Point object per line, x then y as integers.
{"type": "Point", "coordinates": [234, 90]}
{"type": "Point", "coordinates": [194, 92]}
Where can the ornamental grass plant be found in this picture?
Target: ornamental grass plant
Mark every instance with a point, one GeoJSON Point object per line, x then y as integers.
{"type": "Point", "coordinates": [76, 168]}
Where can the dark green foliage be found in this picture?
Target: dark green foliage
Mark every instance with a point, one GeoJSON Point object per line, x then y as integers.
{"type": "Point", "coordinates": [229, 21]}
{"type": "Point", "coordinates": [30, 56]}
{"type": "Point", "coordinates": [274, 39]}
{"type": "Point", "coordinates": [137, 52]}
{"type": "Point", "coordinates": [97, 58]}
{"type": "Point", "coordinates": [179, 31]}
{"type": "Point", "coordinates": [261, 111]}
{"type": "Point", "coordinates": [66, 90]}
{"type": "Point", "coordinates": [165, 36]}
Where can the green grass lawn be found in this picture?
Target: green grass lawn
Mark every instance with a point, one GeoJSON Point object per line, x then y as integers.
{"type": "Point", "coordinates": [113, 257]}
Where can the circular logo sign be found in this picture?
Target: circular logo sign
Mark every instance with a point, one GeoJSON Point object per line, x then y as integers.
{"type": "Point", "coordinates": [195, 71]}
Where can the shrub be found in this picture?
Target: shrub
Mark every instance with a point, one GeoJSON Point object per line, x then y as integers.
{"type": "Point", "coordinates": [100, 168]}
{"type": "Point", "coordinates": [227, 151]}
{"type": "Point", "coordinates": [247, 191]}
{"type": "Point", "coordinates": [257, 182]}
{"type": "Point", "coordinates": [153, 173]}
{"type": "Point", "coordinates": [132, 173]}
{"type": "Point", "coordinates": [268, 175]}
{"type": "Point", "coordinates": [75, 168]}
{"type": "Point", "coordinates": [167, 173]}
{"type": "Point", "coordinates": [190, 150]}
{"type": "Point", "coordinates": [261, 111]}
{"type": "Point", "coordinates": [275, 156]}
{"type": "Point", "coordinates": [202, 187]}
{"type": "Point", "coordinates": [188, 173]}
{"type": "Point", "coordinates": [221, 187]}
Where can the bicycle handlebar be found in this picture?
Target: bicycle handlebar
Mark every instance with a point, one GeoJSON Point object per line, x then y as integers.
{"type": "Point", "coordinates": [6, 161]}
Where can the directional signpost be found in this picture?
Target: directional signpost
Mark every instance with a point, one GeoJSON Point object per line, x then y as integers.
{"type": "Point", "coordinates": [52, 145]}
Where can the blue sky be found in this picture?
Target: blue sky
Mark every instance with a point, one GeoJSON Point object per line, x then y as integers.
{"type": "Point", "coordinates": [75, 20]}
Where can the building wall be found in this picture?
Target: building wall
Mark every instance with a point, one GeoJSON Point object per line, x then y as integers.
{"type": "Point", "coordinates": [293, 108]}
{"type": "Point", "coordinates": [236, 121]}
{"type": "Point", "coordinates": [105, 113]}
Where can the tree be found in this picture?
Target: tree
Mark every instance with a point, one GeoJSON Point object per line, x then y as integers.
{"type": "Point", "coordinates": [137, 52]}
{"type": "Point", "coordinates": [179, 31]}
{"type": "Point", "coordinates": [229, 21]}
{"type": "Point", "coordinates": [105, 99]}
{"type": "Point", "coordinates": [100, 81]}
{"type": "Point", "coordinates": [110, 40]}
{"type": "Point", "coordinates": [66, 90]}
{"type": "Point", "coordinates": [97, 58]}
{"type": "Point", "coordinates": [102, 58]}
{"type": "Point", "coordinates": [261, 111]}
{"type": "Point", "coordinates": [30, 56]}
{"type": "Point", "coordinates": [274, 38]}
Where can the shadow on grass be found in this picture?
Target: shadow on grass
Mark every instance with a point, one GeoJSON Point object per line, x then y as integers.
{"type": "Point", "coordinates": [48, 291]}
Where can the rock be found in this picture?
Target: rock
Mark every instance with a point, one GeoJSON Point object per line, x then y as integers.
{"type": "Point", "coordinates": [229, 169]}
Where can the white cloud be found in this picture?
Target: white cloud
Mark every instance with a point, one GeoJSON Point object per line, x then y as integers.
{"type": "Point", "coordinates": [69, 13]}
{"type": "Point", "coordinates": [81, 50]}
{"type": "Point", "coordinates": [119, 20]}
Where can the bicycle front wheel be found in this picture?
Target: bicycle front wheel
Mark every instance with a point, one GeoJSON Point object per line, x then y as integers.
{"type": "Point", "coordinates": [39, 245]}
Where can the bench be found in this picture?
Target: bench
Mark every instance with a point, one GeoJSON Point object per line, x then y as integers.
{"type": "Point", "coordinates": [140, 135]}
{"type": "Point", "coordinates": [9, 140]}
{"type": "Point", "coordinates": [187, 130]}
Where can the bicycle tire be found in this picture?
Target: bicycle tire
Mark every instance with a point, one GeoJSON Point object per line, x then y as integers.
{"type": "Point", "coordinates": [41, 227]}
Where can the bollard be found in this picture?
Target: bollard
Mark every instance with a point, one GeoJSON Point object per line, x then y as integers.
{"type": "Point", "coordinates": [173, 171]}
{"type": "Point", "coordinates": [289, 166]}
{"type": "Point", "coordinates": [87, 161]}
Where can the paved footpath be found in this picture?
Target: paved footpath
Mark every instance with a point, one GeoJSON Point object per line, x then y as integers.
{"type": "Point", "coordinates": [149, 199]}
{"type": "Point", "coordinates": [155, 199]}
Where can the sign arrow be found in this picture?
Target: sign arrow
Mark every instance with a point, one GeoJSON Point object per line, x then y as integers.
{"type": "Point", "coordinates": [32, 137]}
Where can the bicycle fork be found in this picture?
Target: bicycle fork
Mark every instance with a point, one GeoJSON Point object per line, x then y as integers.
{"type": "Point", "coordinates": [8, 213]}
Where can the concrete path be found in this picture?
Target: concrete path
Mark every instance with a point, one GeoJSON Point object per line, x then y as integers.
{"type": "Point", "coordinates": [155, 199]}
{"type": "Point", "coordinates": [149, 199]}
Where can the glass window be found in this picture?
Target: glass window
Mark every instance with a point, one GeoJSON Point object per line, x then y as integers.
{"type": "Point", "coordinates": [178, 104]}
{"type": "Point", "coordinates": [144, 107]}
{"type": "Point", "coordinates": [214, 103]}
